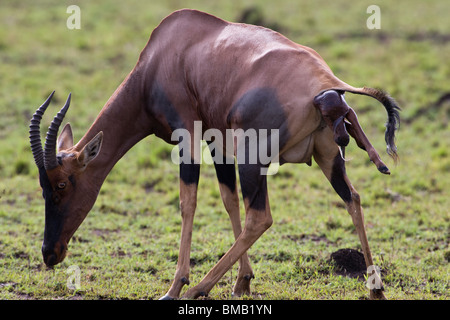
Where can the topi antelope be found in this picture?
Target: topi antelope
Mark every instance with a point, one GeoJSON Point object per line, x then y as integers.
{"type": "Point", "coordinates": [197, 67]}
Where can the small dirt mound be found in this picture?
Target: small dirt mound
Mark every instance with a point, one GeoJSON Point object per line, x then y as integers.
{"type": "Point", "coordinates": [349, 263]}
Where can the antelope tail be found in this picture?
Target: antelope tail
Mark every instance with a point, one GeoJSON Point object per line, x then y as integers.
{"type": "Point", "coordinates": [392, 109]}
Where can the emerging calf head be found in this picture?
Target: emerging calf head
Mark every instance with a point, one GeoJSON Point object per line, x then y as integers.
{"type": "Point", "coordinates": [65, 181]}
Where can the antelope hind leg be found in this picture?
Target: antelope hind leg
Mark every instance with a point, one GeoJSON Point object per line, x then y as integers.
{"type": "Point", "coordinates": [333, 166]}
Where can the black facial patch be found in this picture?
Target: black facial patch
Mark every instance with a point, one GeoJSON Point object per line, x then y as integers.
{"type": "Point", "coordinates": [338, 181]}
{"type": "Point", "coordinates": [47, 190]}
{"type": "Point", "coordinates": [53, 213]}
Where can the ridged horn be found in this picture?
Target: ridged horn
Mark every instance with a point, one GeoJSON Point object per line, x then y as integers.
{"type": "Point", "coordinates": [50, 161]}
{"type": "Point", "coordinates": [35, 133]}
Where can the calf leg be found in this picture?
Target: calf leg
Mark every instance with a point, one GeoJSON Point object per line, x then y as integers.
{"type": "Point", "coordinates": [355, 130]}
{"type": "Point", "coordinates": [335, 110]}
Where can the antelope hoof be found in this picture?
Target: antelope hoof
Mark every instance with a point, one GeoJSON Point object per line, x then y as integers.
{"type": "Point", "coordinates": [242, 286]}
{"type": "Point", "coordinates": [166, 297]}
{"type": "Point", "coordinates": [384, 169]}
{"type": "Point", "coordinates": [377, 294]}
{"type": "Point", "coordinates": [194, 293]}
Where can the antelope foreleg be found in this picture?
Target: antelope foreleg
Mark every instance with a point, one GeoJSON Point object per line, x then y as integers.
{"type": "Point", "coordinates": [257, 220]}
{"type": "Point", "coordinates": [256, 223]}
{"type": "Point", "coordinates": [189, 174]}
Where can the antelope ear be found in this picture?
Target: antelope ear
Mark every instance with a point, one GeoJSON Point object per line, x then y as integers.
{"type": "Point", "coordinates": [65, 139]}
{"type": "Point", "coordinates": [91, 150]}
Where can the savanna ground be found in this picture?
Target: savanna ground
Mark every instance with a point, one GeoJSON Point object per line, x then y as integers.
{"type": "Point", "coordinates": [127, 247]}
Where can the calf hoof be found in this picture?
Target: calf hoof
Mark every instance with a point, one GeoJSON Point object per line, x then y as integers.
{"type": "Point", "coordinates": [384, 169]}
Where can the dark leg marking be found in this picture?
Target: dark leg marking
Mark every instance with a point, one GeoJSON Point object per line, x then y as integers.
{"type": "Point", "coordinates": [257, 109]}
{"type": "Point", "coordinates": [225, 171]}
{"type": "Point", "coordinates": [253, 185]}
{"type": "Point", "coordinates": [226, 174]}
{"type": "Point", "coordinates": [338, 181]}
{"type": "Point", "coordinates": [190, 172]}
{"type": "Point", "coordinates": [260, 108]}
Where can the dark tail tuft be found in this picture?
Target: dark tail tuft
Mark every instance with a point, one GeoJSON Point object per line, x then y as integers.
{"type": "Point", "coordinates": [393, 122]}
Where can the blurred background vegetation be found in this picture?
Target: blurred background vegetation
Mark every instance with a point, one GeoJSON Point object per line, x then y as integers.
{"type": "Point", "coordinates": [128, 246]}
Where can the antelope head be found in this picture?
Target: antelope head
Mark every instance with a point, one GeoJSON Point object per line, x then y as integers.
{"type": "Point", "coordinates": [65, 179]}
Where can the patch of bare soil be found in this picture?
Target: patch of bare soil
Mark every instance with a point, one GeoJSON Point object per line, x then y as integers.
{"type": "Point", "coordinates": [349, 263]}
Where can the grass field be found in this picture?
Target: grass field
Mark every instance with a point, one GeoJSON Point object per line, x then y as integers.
{"type": "Point", "coordinates": [127, 247]}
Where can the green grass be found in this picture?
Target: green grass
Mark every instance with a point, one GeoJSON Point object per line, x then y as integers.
{"type": "Point", "coordinates": [128, 246]}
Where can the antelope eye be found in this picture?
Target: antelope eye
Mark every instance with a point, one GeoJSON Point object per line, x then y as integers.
{"type": "Point", "coordinates": [61, 185]}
